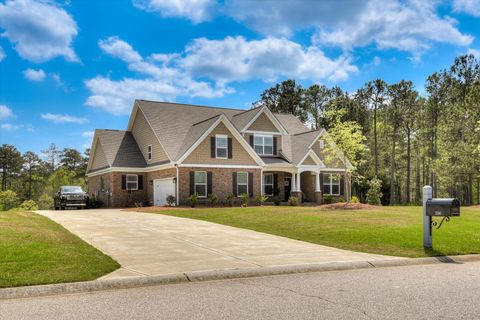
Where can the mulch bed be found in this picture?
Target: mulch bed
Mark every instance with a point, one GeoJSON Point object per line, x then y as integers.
{"type": "Point", "coordinates": [347, 206]}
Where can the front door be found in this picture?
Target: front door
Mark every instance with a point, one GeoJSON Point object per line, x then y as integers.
{"type": "Point", "coordinates": [162, 188]}
{"type": "Point", "coordinates": [288, 187]}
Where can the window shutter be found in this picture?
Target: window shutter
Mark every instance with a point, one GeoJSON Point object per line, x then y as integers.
{"type": "Point", "coordinates": [251, 140]}
{"type": "Point", "coordinates": [275, 145]}
{"type": "Point", "coordinates": [342, 185]}
{"type": "Point", "coordinates": [124, 182]}
{"type": "Point", "coordinates": [192, 182]}
{"type": "Point", "coordinates": [212, 147]}
{"type": "Point", "coordinates": [321, 182]}
{"type": "Point", "coordinates": [209, 182]}
{"type": "Point", "coordinates": [276, 190]}
{"type": "Point", "coordinates": [140, 182]}
{"type": "Point", "coordinates": [234, 184]}
{"type": "Point", "coordinates": [230, 154]}
{"type": "Point", "coordinates": [250, 183]}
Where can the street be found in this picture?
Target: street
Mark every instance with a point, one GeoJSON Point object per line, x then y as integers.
{"type": "Point", "coordinates": [447, 291]}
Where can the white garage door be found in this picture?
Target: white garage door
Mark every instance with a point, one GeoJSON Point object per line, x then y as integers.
{"type": "Point", "coordinates": [162, 189]}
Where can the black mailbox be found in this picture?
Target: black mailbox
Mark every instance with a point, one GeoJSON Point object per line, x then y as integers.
{"type": "Point", "coordinates": [443, 207]}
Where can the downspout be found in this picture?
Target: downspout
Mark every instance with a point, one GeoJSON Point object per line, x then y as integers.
{"type": "Point", "coordinates": [176, 187]}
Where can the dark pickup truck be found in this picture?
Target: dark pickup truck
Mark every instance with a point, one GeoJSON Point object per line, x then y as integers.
{"type": "Point", "coordinates": [71, 196]}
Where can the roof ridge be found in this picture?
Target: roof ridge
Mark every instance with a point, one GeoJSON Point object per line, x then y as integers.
{"type": "Point", "coordinates": [215, 116]}
{"type": "Point", "coordinates": [117, 130]}
{"type": "Point", "coordinates": [297, 134]}
{"type": "Point", "coordinates": [192, 105]}
{"type": "Point", "coordinates": [247, 111]}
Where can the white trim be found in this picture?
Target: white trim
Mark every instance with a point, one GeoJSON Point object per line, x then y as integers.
{"type": "Point", "coordinates": [315, 158]}
{"type": "Point", "coordinates": [263, 136]}
{"type": "Point", "coordinates": [127, 182]}
{"type": "Point", "coordinates": [246, 184]}
{"type": "Point", "coordinates": [200, 184]}
{"type": "Point", "coordinates": [176, 188]}
{"type": "Point", "coordinates": [229, 166]}
{"type": "Point", "coordinates": [331, 183]}
{"type": "Point", "coordinates": [270, 116]}
{"type": "Point", "coordinates": [308, 168]}
{"type": "Point", "coordinates": [326, 170]}
{"type": "Point", "coordinates": [93, 149]}
{"type": "Point", "coordinates": [222, 136]}
{"type": "Point", "coordinates": [222, 118]}
{"type": "Point", "coordinates": [127, 169]}
{"type": "Point", "coordinates": [263, 132]}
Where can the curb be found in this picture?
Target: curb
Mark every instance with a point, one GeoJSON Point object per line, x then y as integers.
{"type": "Point", "coordinates": [198, 276]}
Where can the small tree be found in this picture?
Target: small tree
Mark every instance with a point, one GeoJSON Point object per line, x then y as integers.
{"type": "Point", "coordinates": [213, 199]}
{"type": "Point", "coordinates": [192, 199]}
{"type": "Point", "coordinates": [244, 197]}
{"type": "Point", "coordinates": [374, 193]}
{"type": "Point", "coordinates": [230, 199]}
{"type": "Point", "coordinates": [8, 200]}
{"type": "Point", "coordinates": [293, 201]}
{"type": "Point", "coordinates": [261, 199]}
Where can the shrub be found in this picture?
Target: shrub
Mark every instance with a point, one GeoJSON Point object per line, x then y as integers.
{"type": "Point", "coordinates": [277, 201]}
{"type": "Point", "coordinates": [374, 193]}
{"type": "Point", "coordinates": [8, 200]}
{"type": "Point", "coordinates": [354, 199]}
{"type": "Point", "coordinates": [261, 199]}
{"type": "Point", "coordinates": [341, 199]}
{"type": "Point", "coordinates": [193, 199]}
{"type": "Point", "coordinates": [45, 202]}
{"type": "Point", "coordinates": [94, 202]}
{"type": "Point", "coordinates": [29, 205]}
{"type": "Point", "coordinates": [328, 199]}
{"type": "Point", "coordinates": [293, 201]}
{"type": "Point", "coordinates": [230, 199]}
{"type": "Point", "coordinates": [244, 197]}
{"type": "Point", "coordinates": [171, 200]}
{"type": "Point", "coordinates": [213, 199]}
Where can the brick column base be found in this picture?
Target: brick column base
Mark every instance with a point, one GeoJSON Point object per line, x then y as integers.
{"type": "Point", "coordinates": [318, 197]}
{"type": "Point", "coordinates": [297, 194]}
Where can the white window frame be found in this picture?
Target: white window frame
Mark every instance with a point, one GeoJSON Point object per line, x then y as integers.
{"type": "Point", "coordinates": [149, 152]}
{"type": "Point", "coordinates": [243, 184]}
{"type": "Point", "coordinates": [268, 184]}
{"type": "Point", "coordinates": [135, 182]}
{"type": "Point", "coordinates": [330, 183]}
{"type": "Point", "coordinates": [221, 136]}
{"type": "Point", "coordinates": [321, 143]}
{"type": "Point", "coordinates": [200, 183]}
{"type": "Point", "coordinates": [263, 136]}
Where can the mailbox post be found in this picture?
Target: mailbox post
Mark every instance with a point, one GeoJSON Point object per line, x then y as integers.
{"type": "Point", "coordinates": [427, 220]}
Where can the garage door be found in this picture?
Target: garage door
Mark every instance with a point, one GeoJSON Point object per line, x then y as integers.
{"type": "Point", "coordinates": [162, 189]}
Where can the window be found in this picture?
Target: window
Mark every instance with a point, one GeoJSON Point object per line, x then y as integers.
{"type": "Point", "coordinates": [201, 183]}
{"type": "Point", "coordinates": [221, 146]}
{"type": "Point", "coordinates": [242, 182]}
{"type": "Point", "coordinates": [263, 144]}
{"type": "Point", "coordinates": [132, 182]}
{"type": "Point", "coordinates": [321, 144]}
{"type": "Point", "coordinates": [149, 152]}
{"type": "Point", "coordinates": [268, 184]}
{"type": "Point", "coordinates": [331, 184]}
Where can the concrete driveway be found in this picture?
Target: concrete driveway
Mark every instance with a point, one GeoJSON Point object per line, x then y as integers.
{"type": "Point", "coordinates": [152, 244]}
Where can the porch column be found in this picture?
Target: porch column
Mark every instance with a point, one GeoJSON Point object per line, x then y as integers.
{"type": "Point", "coordinates": [317, 182]}
{"type": "Point", "coordinates": [294, 182]}
{"type": "Point", "coordinates": [299, 184]}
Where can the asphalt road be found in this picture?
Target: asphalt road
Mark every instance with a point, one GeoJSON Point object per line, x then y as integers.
{"type": "Point", "coordinates": [447, 291]}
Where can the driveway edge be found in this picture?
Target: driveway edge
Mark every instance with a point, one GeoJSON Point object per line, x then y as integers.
{"type": "Point", "coordinates": [136, 282]}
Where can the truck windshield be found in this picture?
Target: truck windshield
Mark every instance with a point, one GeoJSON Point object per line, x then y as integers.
{"type": "Point", "coordinates": [71, 189]}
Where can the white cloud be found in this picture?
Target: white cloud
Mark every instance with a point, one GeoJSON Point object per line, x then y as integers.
{"type": "Point", "coordinates": [2, 54]}
{"type": "Point", "coordinates": [10, 127]}
{"type": "Point", "coordinates": [475, 52]}
{"type": "Point", "coordinates": [34, 75]}
{"type": "Point", "coordinates": [88, 134]}
{"type": "Point", "coordinates": [39, 30]}
{"type": "Point", "coordinates": [63, 118]}
{"type": "Point", "coordinates": [195, 10]}
{"type": "Point", "coordinates": [5, 112]}
{"type": "Point", "coordinates": [469, 6]}
{"type": "Point", "coordinates": [412, 26]}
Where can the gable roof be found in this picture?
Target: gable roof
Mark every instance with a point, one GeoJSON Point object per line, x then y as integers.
{"type": "Point", "coordinates": [120, 148]}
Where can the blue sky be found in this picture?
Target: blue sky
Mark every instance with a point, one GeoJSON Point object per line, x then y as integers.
{"type": "Point", "coordinates": [68, 67]}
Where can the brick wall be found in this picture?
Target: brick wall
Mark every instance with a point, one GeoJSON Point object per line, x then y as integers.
{"type": "Point", "coordinates": [221, 182]}
{"type": "Point", "coordinates": [99, 187]}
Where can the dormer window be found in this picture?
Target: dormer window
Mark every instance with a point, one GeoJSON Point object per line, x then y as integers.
{"type": "Point", "coordinates": [221, 146]}
{"type": "Point", "coordinates": [149, 152]}
{"type": "Point", "coordinates": [263, 144]}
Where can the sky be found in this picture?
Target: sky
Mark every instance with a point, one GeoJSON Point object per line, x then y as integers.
{"type": "Point", "coordinates": [70, 67]}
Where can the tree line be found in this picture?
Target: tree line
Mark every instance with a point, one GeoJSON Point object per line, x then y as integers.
{"type": "Point", "coordinates": [29, 176]}
{"type": "Point", "coordinates": [393, 133]}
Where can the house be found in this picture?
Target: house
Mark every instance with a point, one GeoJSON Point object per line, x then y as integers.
{"type": "Point", "coordinates": [179, 149]}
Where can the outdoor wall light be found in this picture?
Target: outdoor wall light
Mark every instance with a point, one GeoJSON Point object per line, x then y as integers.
{"type": "Point", "coordinates": [174, 180]}
{"type": "Point", "coordinates": [150, 182]}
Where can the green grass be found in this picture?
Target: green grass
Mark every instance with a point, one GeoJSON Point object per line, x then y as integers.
{"type": "Point", "coordinates": [395, 231]}
{"type": "Point", "coordinates": [35, 250]}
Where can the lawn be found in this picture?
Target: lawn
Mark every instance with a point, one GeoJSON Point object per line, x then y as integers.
{"type": "Point", "coordinates": [395, 231]}
{"type": "Point", "coordinates": [35, 250]}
